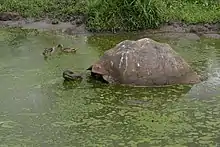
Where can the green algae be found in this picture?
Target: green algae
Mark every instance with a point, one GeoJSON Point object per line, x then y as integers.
{"type": "Point", "coordinates": [38, 109]}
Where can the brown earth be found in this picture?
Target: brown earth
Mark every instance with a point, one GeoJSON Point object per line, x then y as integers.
{"type": "Point", "coordinates": [11, 19]}
{"type": "Point", "coordinates": [77, 26]}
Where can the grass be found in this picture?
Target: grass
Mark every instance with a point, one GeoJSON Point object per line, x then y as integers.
{"type": "Point", "coordinates": [61, 9]}
{"type": "Point", "coordinates": [203, 11]}
{"type": "Point", "coordinates": [119, 14]}
{"type": "Point", "coordinates": [124, 14]}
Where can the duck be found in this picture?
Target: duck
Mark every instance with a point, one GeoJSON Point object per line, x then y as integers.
{"type": "Point", "coordinates": [48, 51]}
{"type": "Point", "coordinates": [69, 75]}
{"type": "Point", "coordinates": [66, 49]}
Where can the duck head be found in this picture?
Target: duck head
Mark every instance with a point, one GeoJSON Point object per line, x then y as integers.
{"type": "Point", "coordinates": [60, 46]}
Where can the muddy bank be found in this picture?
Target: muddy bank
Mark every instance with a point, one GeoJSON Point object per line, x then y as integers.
{"type": "Point", "coordinates": [64, 27]}
{"type": "Point", "coordinates": [191, 31]}
{"type": "Point", "coordinates": [77, 26]}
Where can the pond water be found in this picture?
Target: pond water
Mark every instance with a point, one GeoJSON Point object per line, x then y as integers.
{"type": "Point", "coordinates": [38, 109]}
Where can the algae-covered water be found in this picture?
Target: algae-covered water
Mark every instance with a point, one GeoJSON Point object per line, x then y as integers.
{"type": "Point", "coordinates": [38, 109]}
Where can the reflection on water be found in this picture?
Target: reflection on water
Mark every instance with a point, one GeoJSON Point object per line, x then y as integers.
{"type": "Point", "coordinates": [38, 109]}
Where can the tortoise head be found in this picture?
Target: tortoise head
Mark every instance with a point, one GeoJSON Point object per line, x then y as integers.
{"type": "Point", "coordinates": [100, 68]}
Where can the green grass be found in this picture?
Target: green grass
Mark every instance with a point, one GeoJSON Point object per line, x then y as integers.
{"type": "Point", "coordinates": [203, 11]}
{"type": "Point", "coordinates": [120, 14]}
{"type": "Point", "coordinates": [124, 14]}
{"type": "Point", "coordinates": [62, 9]}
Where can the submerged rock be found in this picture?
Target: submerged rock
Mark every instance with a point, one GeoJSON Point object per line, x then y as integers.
{"type": "Point", "coordinates": [78, 20]}
{"type": "Point", "coordinates": [54, 21]}
{"type": "Point", "coordinates": [144, 62]}
{"type": "Point", "coordinates": [205, 90]}
{"type": "Point", "coordinates": [176, 36]}
{"type": "Point", "coordinates": [212, 36]}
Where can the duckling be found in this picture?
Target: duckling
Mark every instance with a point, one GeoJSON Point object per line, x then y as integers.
{"type": "Point", "coordinates": [66, 49]}
{"type": "Point", "coordinates": [48, 52]}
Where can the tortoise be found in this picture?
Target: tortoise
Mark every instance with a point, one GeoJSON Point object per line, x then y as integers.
{"type": "Point", "coordinates": [144, 62]}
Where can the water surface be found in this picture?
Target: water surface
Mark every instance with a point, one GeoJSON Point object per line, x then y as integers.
{"type": "Point", "coordinates": [38, 109]}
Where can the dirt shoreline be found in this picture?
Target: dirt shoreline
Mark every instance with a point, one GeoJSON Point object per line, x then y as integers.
{"type": "Point", "coordinates": [45, 25]}
{"type": "Point", "coordinates": [76, 27]}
